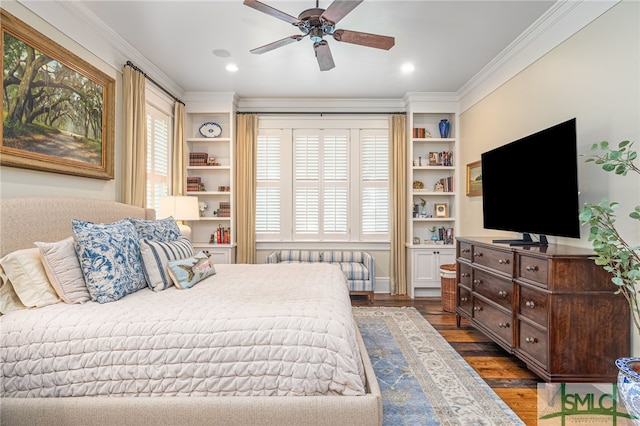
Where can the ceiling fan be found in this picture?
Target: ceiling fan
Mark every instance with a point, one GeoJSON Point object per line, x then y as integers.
{"type": "Point", "coordinates": [317, 23]}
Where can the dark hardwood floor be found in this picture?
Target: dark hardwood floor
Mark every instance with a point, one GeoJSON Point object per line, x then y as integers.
{"type": "Point", "coordinates": [507, 375]}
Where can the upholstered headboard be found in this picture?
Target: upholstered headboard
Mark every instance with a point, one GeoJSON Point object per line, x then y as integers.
{"type": "Point", "coordinates": [26, 220]}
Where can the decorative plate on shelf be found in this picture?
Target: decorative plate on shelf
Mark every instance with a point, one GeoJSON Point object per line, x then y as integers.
{"type": "Point", "coordinates": [210, 130]}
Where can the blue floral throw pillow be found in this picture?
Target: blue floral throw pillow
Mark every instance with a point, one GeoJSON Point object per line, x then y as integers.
{"type": "Point", "coordinates": [162, 230]}
{"type": "Point", "coordinates": [186, 273]}
{"type": "Point", "coordinates": [109, 256]}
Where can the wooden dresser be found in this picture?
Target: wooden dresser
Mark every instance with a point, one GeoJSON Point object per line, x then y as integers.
{"type": "Point", "coordinates": [550, 306]}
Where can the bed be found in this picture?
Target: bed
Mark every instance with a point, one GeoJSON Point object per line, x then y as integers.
{"type": "Point", "coordinates": [231, 350]}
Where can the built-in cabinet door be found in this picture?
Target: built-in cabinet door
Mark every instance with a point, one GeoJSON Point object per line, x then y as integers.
{"type": "Point", "coordinates": [425, 269]}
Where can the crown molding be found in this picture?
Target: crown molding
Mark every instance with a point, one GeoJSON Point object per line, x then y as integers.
{"type": "Point", "coordinates": [82, 26]}
{"type": "Point", "coordinates": [561, 21]}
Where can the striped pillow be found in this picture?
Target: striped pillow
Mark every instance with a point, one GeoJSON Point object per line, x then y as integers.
{"type": "Point", "coordinates": [157, 255]}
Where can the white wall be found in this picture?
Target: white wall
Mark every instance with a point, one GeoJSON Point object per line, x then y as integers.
{"type": "Point", "coordinates": [16, 182]}
{"type": "Point", "coordinates": [593, 76]}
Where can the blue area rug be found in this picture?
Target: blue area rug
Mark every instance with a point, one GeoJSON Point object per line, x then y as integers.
{"type": "Point", "coordinates": [424, 381]}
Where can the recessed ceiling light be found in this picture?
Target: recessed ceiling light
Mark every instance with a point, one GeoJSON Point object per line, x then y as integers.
{"type": "Point", "coordinates": [221, 53]}
{"type": "Point", "coordinates": [407, 68]}
{"type": "Point", "coordinates": [232, 67]}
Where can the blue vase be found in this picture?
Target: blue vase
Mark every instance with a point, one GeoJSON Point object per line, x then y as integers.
{"type": "Point", "coordinates": [444, 127]}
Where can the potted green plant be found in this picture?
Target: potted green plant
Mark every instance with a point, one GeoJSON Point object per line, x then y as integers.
{"type": "Point", "coordinates": [618, 256]}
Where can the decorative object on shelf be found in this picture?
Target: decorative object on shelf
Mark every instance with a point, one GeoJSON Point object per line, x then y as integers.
{"type": "Point", "coordinates": [434, 236]}
{"type": "Point", "coordinates": [423, 205]}
{"type": "Point", "coordinates": [617, 256]}
{"type": "Point", "coordinates": [474, 178]}
{"type": "Point", "coordinates": [210, 130]}
{"type": "Point", "coordinates": [202, 206]}
{"type": "Point", "coordinates": [441, 210]}
{"type": "Point", "coordinates": [418, 184]}
{"type": "Point", "coordinates": [416, 240]}
{"type": "Point", "coordinates": [433, 159]}
{"type": "Point", "coordinates": [212, 162]}
{"type": "Point", "coordinates": [438, 187]}
{"type": "Point", "coordinates": [444, 128]}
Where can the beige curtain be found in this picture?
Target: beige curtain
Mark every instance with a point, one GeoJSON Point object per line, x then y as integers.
{"type": "Point", "coordinates": [398, 192]}
{"type": "Point", "coordinates": [179, 169]}
{"type": "Point", "coordinates": [247, 140]}
{"type": "Point", "coordinates": [134, 163]}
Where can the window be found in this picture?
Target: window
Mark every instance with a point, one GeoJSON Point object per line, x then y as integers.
{"type": "Point", "coordinates": [159, 135]}
{"type": "Point", "coordinates": [322, 184]}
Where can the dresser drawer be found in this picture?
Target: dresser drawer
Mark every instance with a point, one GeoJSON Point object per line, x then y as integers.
{"type": "Point", "coordinates": [533, 269]}
{"type": "Point", "coordinates": [464, 250]}
{"type": "Point", "coordinates": [532, 304]}
{"type": "Point", "coordinates": [464, 301]}
{"type": "Point", "coordinates": [494, 320]}
{"type": "Point", "coordinates": [496, 289]}
{"type": "Point", "coordinates": [497, 260]}
{"type": "Point", "coordinates": [464, 276]}
{"type": "Point", "coordinates": [534, 343]}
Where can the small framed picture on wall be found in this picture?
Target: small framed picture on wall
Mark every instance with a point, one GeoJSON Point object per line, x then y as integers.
{"type": "Point", "coordinates": [441, 210]}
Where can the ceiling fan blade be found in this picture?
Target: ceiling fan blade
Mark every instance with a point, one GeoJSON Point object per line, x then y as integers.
{"type": "Point", "coordinates": [323, 55]}
{"type": "Point", "coordinates": [339, 9]}
{"type": "Point", "coordinates": [276, 44]}
{"type": "Point", "coordinates": [272, 11]}
{"type": "Point", "coordinates": [364, 39]}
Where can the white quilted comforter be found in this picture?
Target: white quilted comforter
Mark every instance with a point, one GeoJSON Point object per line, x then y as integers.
{"type": "Point", "coordinates": [256, 330]}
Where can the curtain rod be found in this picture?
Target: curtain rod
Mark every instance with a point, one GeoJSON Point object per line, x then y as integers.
{"type": "Point", "coordinates": [130, 64]}
{"type": "Point", "coordinates": [321, 112]}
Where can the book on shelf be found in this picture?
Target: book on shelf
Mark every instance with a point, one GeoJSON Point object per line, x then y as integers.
{"type": "Point", "coordinates": [225, 209]}
{"type": "Point", "coordinates": [222, 235]}
{"type": "Point", "coordinates": [198, 158]}
{"type": "Point", "coordinates": [446, 184]}
{"type": "Point", "coordinates": [193, 183]}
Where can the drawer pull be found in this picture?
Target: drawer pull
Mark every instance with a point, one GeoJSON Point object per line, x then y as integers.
{"type": "Point", "coordinates": [530, 304]}
{"type": "Point", "coordinates": [531, 340]}
{"type": "Point", "coordinates": [465, 275]}
{"type": "Point", "coordinates": [531, 268]}
{"type": "Point", "coordinates": [503, 261]}
{"type": "Point", "coordinates": [464, 299]}
{"type": "Point", "coordinates": [466, 250]}
{"type": "Point", "coordinates": [477, 281]}
{"type": "Point", "coordinates": [502, 293]}
{"type": "Point", "coordinates": [478, 254]}
{"type": "Point", "coordinates": [477, 308]}
{"type": "Point", "coordinates": [503, 325]}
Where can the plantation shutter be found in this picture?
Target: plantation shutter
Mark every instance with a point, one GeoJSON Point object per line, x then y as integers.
{"type": "Point", "coordinates": [158, 129]}
{"type": "Point", "coordinates": [336, 190]}
{"type": "Point", "coordinates": [306, 169]}
{"type": "Point", "coordinates": [375, 183]}
{"type": "Point", "coordinates": [268, 176]}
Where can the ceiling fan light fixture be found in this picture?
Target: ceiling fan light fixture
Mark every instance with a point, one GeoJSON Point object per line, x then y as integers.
{"type": "Point", "coordinates": [316, 35]}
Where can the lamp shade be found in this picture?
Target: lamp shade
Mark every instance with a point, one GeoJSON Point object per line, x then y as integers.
{"type": "Point", "coordinates": [179, 207]}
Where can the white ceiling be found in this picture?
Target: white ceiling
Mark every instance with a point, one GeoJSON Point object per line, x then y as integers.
{"type": "Point", "coordinates": [447, 41]}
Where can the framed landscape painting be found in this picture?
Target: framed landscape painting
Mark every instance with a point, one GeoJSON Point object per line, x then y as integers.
{"type": "Point", "coordinates": [58, 110]}
{"type": "Point", "coordinates": [474, 178]}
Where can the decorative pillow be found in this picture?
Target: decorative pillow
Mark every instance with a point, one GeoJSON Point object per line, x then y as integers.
{"type": "Point", "coordinates": [24, 270]}
{"type": "Point", "coordinates": [109, 256]}
{"type": "Point", "coordinates": [9, 300]}
{"type": "Point", "coordinates": [63, 270]}
{"type": "Point", "coordinates": [156, 256]}
{"type": "Point", "coordinates": [186, 273]}
{"type": "Point", "coordinates": [156, 230]}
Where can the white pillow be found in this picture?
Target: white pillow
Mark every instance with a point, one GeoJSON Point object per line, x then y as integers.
{"type": "Point", "coordinates": [155, 257]}
{"type": "Point", "coordinates": [24, 270]}
{"type": "Point", "coordinates": [9, 300]}
{"type": "Point", "coordinates": [61, 264]}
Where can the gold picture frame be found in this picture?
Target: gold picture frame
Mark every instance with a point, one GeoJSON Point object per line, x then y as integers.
{"type": "Point", "coordinates": [58, 110]}
{"type": "Point", "coordinates": [441, 210]}
{"type": "Point", "coordinates": [474, 178]}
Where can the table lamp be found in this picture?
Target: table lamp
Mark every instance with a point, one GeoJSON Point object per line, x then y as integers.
{"type": "Point", "coordinates": [181, 208]}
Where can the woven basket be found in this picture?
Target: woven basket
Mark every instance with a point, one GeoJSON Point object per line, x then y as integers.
{"type": "Point", "coordinates": [448, 284]}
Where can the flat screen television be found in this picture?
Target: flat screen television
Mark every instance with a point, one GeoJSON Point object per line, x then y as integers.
{"type": "Point", "coordinates": [530, 186]}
